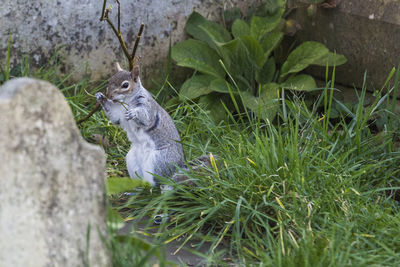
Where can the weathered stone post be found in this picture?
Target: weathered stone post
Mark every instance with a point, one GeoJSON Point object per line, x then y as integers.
{"type": "Point", "coordinates": [51, 181]}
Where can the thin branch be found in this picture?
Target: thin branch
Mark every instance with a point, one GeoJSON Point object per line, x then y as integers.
{"type": "Point", "coordinates": [103, 9]}
{"type": "Point", "coordinates": [136, 44]}
{"type": "Point", "coordinates": [94, 110]}
{"type": "Point", "coordinates": [119, 36]}
{"type": "Point", "coordinates": [119, 16]}
{"type": "Point", "coordinates": [131, 58]}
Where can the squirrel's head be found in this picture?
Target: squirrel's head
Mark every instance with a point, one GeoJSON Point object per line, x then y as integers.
{"type": "Point", "coordinates": [123, 83]}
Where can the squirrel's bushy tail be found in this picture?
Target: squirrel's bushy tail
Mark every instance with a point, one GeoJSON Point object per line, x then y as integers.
{"type": "Point", "coordinates": [199, 165]}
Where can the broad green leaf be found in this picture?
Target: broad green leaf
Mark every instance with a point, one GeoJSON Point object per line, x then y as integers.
{"type": "Point", "coordinates": [214, 36]}
{"type": "Point", "coordinates": [121, 185]}
{"type": "Point", "coordinates": [269, 7]}
{"type": "Point", "coordinates": [332, 59]}
{"type": "Point", "coordinates": [230, 46]}
{"type": "Point", "coordinates": [199, 56]}
{"type": "Point", "coordinates": [114, 219]}
{"type": "Point", "coordinates": [300, 82]}
{"type": "Point", "coordinates": [303, 56]}
{"type": "Point", "coordinates": [220, 86]}
{"type": "Point", "coordinates": [242, 64]}
{"type": "Point", "coordinates": [228, 52]}
{"type": "Point", "coordinates": [254, 49]}
{"type": "Point", "coordinates": [260, 26]}
{"type": "Point", "coordinates": [201, 67]}
{"type": "Point", "coordinates": [267, 72]}
{"type": "Point", "coordinates": [270, 89]}
{"type": "Point", "coordinates": [270, 42]}
{"type": "Point", "coordinates": [235, 57]}
{"type": "Point", "coordinates": [240, 28]}
{"type": "Point", "coordinates": [212, 104]}
{"type": "Point", "coordinates": [242, 84]}
{"type": "Point", "coordinates": [205, 30]}
{"type": "Point", "coordinates": [266, 104]}
{"type": "Point", "coordinates": [196, 86]}
{"type": "Point", "coordinates": [232, 14]}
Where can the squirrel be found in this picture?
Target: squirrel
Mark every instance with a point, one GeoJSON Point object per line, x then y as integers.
{"type": "Point", "coordinates": [156, 148]}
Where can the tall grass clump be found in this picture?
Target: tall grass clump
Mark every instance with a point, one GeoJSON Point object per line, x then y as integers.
{"type": "Point", "coordinates": [298, 192]}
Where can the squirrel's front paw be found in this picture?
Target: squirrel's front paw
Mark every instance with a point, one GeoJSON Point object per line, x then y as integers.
{"type": "Point", "coordinates": [100, 97]}
{"type": "Point", "coordinates": [130, 114]}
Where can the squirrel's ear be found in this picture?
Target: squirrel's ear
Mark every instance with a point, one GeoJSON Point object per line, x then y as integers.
{"type": "Point", "coordinates": [135, 73]}
{"type": "Point", "coordinates": [118, 66]}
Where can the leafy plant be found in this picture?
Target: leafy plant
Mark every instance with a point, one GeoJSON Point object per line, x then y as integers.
{"type": "Point", "coordinates": [241, 62]}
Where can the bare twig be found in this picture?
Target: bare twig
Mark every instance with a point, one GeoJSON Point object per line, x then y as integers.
{"type": "Point", "coordinates": [137, 43]}
{"type": "Point", "coordinates": [102, 10]}
{"type": "Point", "coordinates": [117, 31]}
{"type": "Point", "coordinates": [119, 36]}
{"type": "Point", "coordinates": [94, 110]}
{"type": "Point", "coordinates": [119, 16]}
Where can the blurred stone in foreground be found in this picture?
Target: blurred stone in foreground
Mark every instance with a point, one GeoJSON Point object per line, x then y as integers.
{"type": "Point", "coordinates": [51, 181]}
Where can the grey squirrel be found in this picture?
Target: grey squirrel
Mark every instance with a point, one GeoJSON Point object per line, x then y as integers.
{"type": "Point", "coordinates": [156, 147]}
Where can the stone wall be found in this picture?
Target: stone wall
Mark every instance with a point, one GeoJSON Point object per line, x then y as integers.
{"type": "Point", "coordinates": [39, 27]}
{"type": "Point", "coordinates": [367, 32]}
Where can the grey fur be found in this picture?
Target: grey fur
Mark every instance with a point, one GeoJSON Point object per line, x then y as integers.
{"type": "Point", "coordinates": [149, 127]}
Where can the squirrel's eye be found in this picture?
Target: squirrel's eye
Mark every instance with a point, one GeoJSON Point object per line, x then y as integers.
{"type": "Point", "coordinates": [125, 85]}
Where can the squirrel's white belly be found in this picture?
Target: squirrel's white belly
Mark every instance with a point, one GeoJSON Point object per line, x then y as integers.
{"type": "Point", "coordinates": [141, 157]}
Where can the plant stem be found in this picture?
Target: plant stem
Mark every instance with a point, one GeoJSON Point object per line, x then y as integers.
{"type": "Point", "coordinates": [94, 110]}
{"type": "Point", "coordinates": [119, 36]}
{"type": "Point", "coordinates": [136, 44]}
{"type": "Point", "coordinates": [119, 16]}
{"type": "Point", "coordinates": [102, 10]}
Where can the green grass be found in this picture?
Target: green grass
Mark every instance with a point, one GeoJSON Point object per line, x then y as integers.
{"type": "Point", "coordinates": [287, 195]}
{"type": "Point", "coordinates": [303, 190]}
